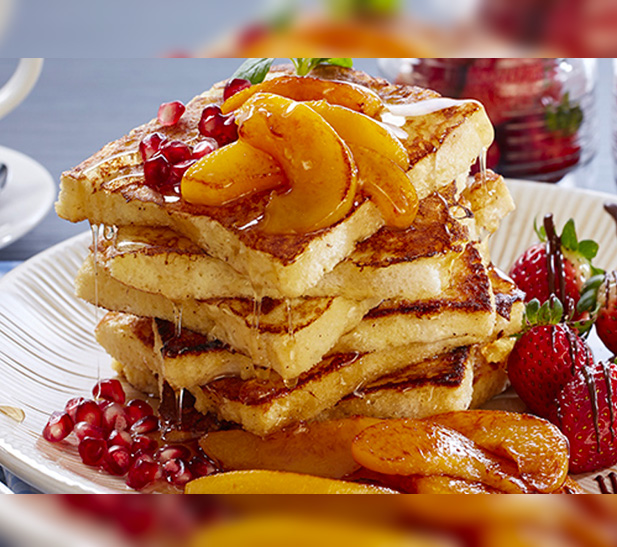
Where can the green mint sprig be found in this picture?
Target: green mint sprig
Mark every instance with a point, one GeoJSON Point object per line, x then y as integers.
{"type": "Point", "coordinates": [256, 70]}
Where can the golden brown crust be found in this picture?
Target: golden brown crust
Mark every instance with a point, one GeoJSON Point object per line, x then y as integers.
{"type": "Point", "coordinates": [117, 167]}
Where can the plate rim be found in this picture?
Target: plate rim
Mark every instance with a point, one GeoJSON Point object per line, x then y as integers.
{"type": "Point", "coordinates": [45, 478]}
{"type": "Point", "coordinates": [46, 183]}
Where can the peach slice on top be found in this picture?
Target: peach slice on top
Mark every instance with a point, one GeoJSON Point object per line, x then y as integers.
{"type": "Point", "coordinates": [229, 173]}
{"type": "Point", "coordinates": [387, 186]}
{"type": "Point", "coordinates": [305, 88]}
{"type": "Point", "coordinates": [357, 129]}
{"type": "Point", "coordinates": [319, 166]}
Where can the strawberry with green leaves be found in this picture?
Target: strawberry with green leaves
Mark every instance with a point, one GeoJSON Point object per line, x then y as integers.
{"type": "Point", "coordinates": [599, 297]}
{"type": "Point", "coordinates": [545, 357]}
{"type": "Point", "coordinates": [558, 265]}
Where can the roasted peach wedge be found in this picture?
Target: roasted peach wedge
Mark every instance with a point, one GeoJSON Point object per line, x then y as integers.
{"type": "Point", "coordinates": [305, 88]}
{"type": "Point", "coordinates": [387, 186]}
{"type": "Point", "coordinates": [416, 447]}
{"type": "Point", "coordinates": [229, 173]}
{"type": "Point", "coordinates": [357, 129]}
{"type": "Point", "coordinates": [317, 448]}
{"type": "Point", "coordinates": [276, 482]}
{"type": "Point", "coordinates": [538, 448]}
{"type": "Point", "coordinates": [319, 166]}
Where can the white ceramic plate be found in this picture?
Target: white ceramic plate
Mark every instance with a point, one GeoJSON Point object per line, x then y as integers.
{"type": "Point", "coordinates": [27, 197]}
{"type": "Point", "coordinates": [48, 353]}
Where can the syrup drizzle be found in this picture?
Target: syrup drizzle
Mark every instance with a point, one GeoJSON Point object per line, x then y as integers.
{"type": "Point", "coordinates": [95, 245]}
{"type": "Point", "coordinates": [482, 162]}
{"type": "Point", "coordinates": [13, 412]}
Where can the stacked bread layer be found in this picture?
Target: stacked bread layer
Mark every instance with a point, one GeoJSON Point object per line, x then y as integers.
{"type": "Point", "coordinates": [271, 330]}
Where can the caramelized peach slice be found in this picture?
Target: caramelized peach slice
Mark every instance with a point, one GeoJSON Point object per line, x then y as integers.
{"type": "Point", "coordinates": [359, 130]}
{"type": "Point", "coordinates": [438, 484]}
{"type": "Point", "coordinates": [388, 187]}
{"type": "Point", "coordinates": [538, 448]}
{"type": "Point", "coordinates": [415, 447]}
{"type": "Point", "coordinates": [319, 448]}
{"type": "Point", "coordinates": [276, 482]}
{"type": "Point", "coordinates": [358, 98]}
{"type": "Point", "coordinates": [318, 164]}
{"type": "Point", "coordinates": [229, 173]}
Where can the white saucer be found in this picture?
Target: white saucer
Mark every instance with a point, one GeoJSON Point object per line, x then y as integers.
{"type": "Point", "coordinates": [27, 197]}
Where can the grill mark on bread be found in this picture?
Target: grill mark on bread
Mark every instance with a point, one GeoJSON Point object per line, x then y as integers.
{"type": "Point", "coordinates": [441, 371]}
{"type": "Point", "coordinates": [255, 392]}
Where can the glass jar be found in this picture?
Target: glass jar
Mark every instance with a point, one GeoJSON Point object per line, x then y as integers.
{"type": "Point", "coordinates": [543, 109]}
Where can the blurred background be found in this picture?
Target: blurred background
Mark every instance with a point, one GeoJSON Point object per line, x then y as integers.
{"type": "Point", "coordinates": [237, 28]}
{"type": "Point", "coordinates": [228, 521]}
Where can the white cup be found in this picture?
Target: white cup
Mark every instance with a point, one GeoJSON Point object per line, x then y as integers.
{"type": "Point", "coordinates": [20, 84]}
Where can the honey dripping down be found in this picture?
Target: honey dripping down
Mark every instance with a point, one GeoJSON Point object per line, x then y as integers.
{"type": "Point", "coordinates": [94, 228]}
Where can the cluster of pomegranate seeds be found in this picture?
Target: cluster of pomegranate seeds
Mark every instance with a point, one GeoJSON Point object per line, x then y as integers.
{"type": "Point", "coordinates": [218, 126]}
{"type": "Point", "coordinates": [119, 438]}
{"type": "Point", "coordinates": [165, 161]}
{"type": "Point", "coordinates": [235, 86]}
{"type": "Point", "coordinates": [170, 113]}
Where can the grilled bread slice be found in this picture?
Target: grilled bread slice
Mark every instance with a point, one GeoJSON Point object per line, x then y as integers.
{"type": "Point", "coordinates": [465, 311]}
{"type": "Point", "coordinates": [288, 336]}
{"type": "Point", "coordinates": [109, 188]}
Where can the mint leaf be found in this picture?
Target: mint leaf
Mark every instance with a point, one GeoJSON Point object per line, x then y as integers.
{"type": "Point", "coordinates": [304, 65]}
{"type": "Point", "coordinates": [568, 236]}
{"type": "Point", "coordinates": [588, 248]}
{"type": "Point", "coordinates": [254, 70]}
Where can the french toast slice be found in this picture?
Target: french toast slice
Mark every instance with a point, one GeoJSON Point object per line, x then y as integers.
{"type": "Point", "coordinates": [465, 311]}
{"type": "Point", "coordinates": [158, 260]}
{"type": "Point", "coordinates": [289, 336]}
{"type": "Point", "coordinates": [189, 360]}
{"type": "Point", "coordinates": [109, 188]}
{"type": "Point", "coordinates": [439, 384]}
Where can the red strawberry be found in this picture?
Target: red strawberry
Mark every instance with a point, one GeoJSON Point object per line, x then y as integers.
{"type": "Point", "coordinates": [586, 412]}
{"type": "Point", "coordinates": [606, 322]}
{"type": "Point", "coordinates": [540, 270]}
{"type": "Point", "coordinates": [543, 359]}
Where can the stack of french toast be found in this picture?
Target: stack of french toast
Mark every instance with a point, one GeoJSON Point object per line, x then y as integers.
{"type": "Point", "coordinates": [268, 328]}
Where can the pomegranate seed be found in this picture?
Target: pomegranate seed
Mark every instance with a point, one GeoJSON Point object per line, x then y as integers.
{"type": "Point", "coordinates": [169, 452]}
{"type": "Point", "coordinates": [92, 451]}
{"type": "Point", "coordinates": [234, 86]}
{"type": "Point", "coordinates": [143, 472]}
{"type": "Point", "coordinates": [177, 472]}
{"type": "Point", "coordinates": [120, 438]}
{"type": "Point", "coordinates": [110, 390]}
{"type": "Point", "coordinates": [72, 405]}
{"type": "Point", "coordinates": [178, 170]}
{"type": "Point", "coordinates": [151, 144]}
{"type": "Point", "coordinates": [205, 147]}
{"type": "Point", "coordinates": [115, 417]}
{"type": "Point", "coordinates": [176, 152]}
{"type": "Point", "coordinates": [221, 128]}
{"type": "Point", "coordinates": [137, 409]}
{"type": "Point", "coordinates": [200, 467]}
{"type": "Point", "coordinates": [148, 424]}
{"type": "Point", "coordinates": [88, 411]}
{"type": "Point", "coordinates": [156, 171]}
{"type": "Point", "coordinates": [103, 404]}
{"type": "Point", "coordinates": [170, 113]}
{"type": "Point", "coordinates": [211, 110]}
{"type": "Point", "coordinates": [143, 445]}
{"type": "Point", "coordinates": [84, 429]}
{"type": "Point", "coordinates": [58, 427]}
{"type": "Point", "coordinates": [117, 461]}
